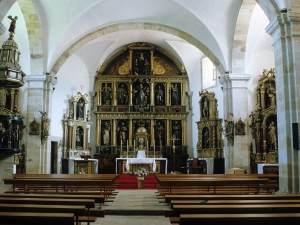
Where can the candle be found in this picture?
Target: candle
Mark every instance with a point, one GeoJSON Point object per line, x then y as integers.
{"type": "Point", "coordinates": [127, 146]}
{"type": "Point", "coordinates": [134, 145]}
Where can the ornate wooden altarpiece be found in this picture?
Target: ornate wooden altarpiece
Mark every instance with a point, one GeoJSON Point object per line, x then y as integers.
{"type": "Point", "coordinates": [264, 121]}
{"type": "Point", "coordinates": [140, 105]}
{"type": "Point", "coordinates": [210, 143]}
{"type": "Point", "coordinates": [76, 127]}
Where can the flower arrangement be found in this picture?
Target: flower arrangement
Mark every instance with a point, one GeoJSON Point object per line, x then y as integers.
{"type": "Point", "coordinates": [175, 172]}
{"type": "Point", "coordinates": [141, 172]}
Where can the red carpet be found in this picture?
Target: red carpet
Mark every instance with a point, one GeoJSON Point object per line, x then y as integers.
{"type": "Point", "coordinates": [130, 182]}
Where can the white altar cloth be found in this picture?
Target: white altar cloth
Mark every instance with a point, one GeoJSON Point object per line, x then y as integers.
{"type": "Point", "coordinates": [141, 161]}
{"type": "Point", "coordinates": [141, 154]}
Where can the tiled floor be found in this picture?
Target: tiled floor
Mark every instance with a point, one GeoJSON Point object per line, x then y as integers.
{"type": "Point", "coordinates": [135, 207]}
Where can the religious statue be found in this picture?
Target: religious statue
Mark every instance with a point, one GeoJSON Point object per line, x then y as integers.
{"type": "Point", "coordinates": [272, 94]}
{"type": "Point", "coordinates": [122, 131]}
{"type": "Point", "coordinates": [176, 130]}
{"type": "Point", "coordinates": [122, 95]}
{"type": "Point", "coordinates": [205, 108]}
{"type": "Point", "coordinates": [80, 109]}
{"type": "Point", "coordinates": [160, 132]}
{"type": "Point", "coordinates": [106, 95]}
{"type": "Point", "coordinates": [206, 138]}
{"type": "Point", "coordinates": [175, 94]}
{"type": "Point", "coordinates": [12, 26]}
{"type": "Point", "coordinates": [159, 96]}
{"type": "Point", "coordinates": [46, 124]}
{"type": "Point", "coordinates": [229, 124]}
{"type": "Point", "coordinates": [78, 138]}
{"type": "Point", "coordinates": [147, 67]}
{"type": "Point", "coordinates": [272, 135]}
{"type": "Point", "coordinates": [105, 132]}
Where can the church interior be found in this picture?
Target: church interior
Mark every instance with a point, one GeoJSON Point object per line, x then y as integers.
{"type": "Point", "coordinates": [96, 86]}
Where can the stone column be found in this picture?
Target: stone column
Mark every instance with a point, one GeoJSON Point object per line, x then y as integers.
{"type": "Point", "coordinates": [236, 102]}
{"type": "Point", "coordinates": [2, 29]}
{"type": "Point", "coordinates": [285, 30]}
{"type": "Point", "coordinates": [40, 90]}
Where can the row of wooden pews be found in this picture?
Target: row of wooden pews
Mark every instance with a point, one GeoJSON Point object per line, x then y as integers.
{"type": "Point", "coordinates": [234, 209]}
{"type": "Point", "coordinates": [55, 198]}
{"type": "Point", "coordinates": [202, 206]}
{"type": "Point", "coordinates": [216, 183]}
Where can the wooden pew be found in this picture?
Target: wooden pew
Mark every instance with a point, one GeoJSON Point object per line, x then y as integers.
{"type": "Point", "coordinates": [168, 198]}
{"type": "Point", "coordinates": [233, 209]}
{"type": "Point", "coordinates": [59, 185]}
{"type": "Point", "coordinates": [107, 189]}
{"type": "Point", "coordinates": [97, 198]}
{"type": "Point", "coordinates": [77, 210]}
{"type": "Point", "coordinates": [87, 203]}
{"type": "Point", "coordinates": [36, 218]}
{"type": "Point", "coordinates": [238, 219]}
{"type": "Point", "coordinates": [235, 202]}
{"type": "Point", "coordinates": [267, 187]}
{"type": "Point", "coordinates": [173, 183]}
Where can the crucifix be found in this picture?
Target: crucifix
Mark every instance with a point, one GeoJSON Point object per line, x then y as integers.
{"type": "Point", "coordinates": [173, 139]}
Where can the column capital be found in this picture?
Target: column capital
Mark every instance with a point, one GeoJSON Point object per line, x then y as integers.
{"type": "Point", "coordinates": [282, 20]}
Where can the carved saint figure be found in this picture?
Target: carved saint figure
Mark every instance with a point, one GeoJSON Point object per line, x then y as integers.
{"type": "Point", "coordinates": [176, 130]}
{"type": "Point", "coordinates": [46, 124]}
{"type": "Point", "coordinates": [175, 94]}
{"type": "Point", "coordinates": [272, 135]}
{"type": "Point", "coordinates": [159, 96]}
{"type": "Point", "coordinates": [122, 130]}
{"type": "Point", "coordinates": [205, 108]}
{"type": "Point", "coordinates": [105, 132]}
{"type": "Point", "coordinates": [272, 94]}
{"type": "Point", "coordinates": [229, 124]}
{"type": "Point", "coordinates": [122, 95]}
{"type": "Point", "coordinates": [106, 93]}
{"type": "Point", "coordinates": [160, 132]}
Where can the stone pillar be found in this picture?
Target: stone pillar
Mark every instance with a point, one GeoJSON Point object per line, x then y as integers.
{"type": "Point", "coordinates": [285, 29]}
{"type": "Point", "coordinates": [39, 100]}
{"type": "Point", "coordinates": [2, 29]}
{"type": "Point", "coordinates": [236, 102]}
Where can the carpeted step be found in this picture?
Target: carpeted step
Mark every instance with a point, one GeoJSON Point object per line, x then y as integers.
{"type": "Point", "coordinates": [130, 182]}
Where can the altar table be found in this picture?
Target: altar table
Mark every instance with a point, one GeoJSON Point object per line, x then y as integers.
{"type": "Point", "coordinates": [130, 161]}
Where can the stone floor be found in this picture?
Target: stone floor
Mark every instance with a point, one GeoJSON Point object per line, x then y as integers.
{"type": "Point", "coordinates": [135, 207]}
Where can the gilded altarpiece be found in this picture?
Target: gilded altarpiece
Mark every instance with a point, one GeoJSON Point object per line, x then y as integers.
{"type": "Point", "coordinates": [264, 121]}
{"type": "Point", "coordinates": [76, 131]}
{"type": "Point", "coordinates": [210, 143]}
{"type": "Point", "coordinates": [140, 105]}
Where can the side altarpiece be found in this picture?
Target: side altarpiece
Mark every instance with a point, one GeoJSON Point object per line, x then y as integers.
{"type": "Point", "coordinates": [264, 121]}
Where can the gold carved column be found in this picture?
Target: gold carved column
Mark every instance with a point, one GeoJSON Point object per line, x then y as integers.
{"type": "Point", "coordinates": [130, 132]}
{"type": "Point", "coordinates": [168, 102]}
{"type": "Point", "coordinates": [152, 94]}
{"type": "Point", "coordinates": [114, 128]}
{"type": "Point", "coordinates": [98, 131]}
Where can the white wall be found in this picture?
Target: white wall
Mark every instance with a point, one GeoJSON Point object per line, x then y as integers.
{"type": "Point", "coordinates": [70, 77]}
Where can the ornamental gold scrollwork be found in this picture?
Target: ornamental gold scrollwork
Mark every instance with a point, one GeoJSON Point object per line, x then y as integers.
{"type": "Point", "coordinates": [124, 69]}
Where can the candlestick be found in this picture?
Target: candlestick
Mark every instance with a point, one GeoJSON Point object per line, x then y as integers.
{"type": "Point", "coordinates": [121, 148]}
{"type": "Point", "coordinates": [154, 147]}
{"type": "Point", "coordinates": [127, 148]}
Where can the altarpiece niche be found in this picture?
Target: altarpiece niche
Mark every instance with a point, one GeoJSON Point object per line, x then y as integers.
{"type": "Point", "coordinates": [264, 120]}
{"type": "Point", "coordinates": [76, 128]}
{"type": "Point", "coordinates": [140, 105]}
{"type": "Point", "coordinates": [210, 143]}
